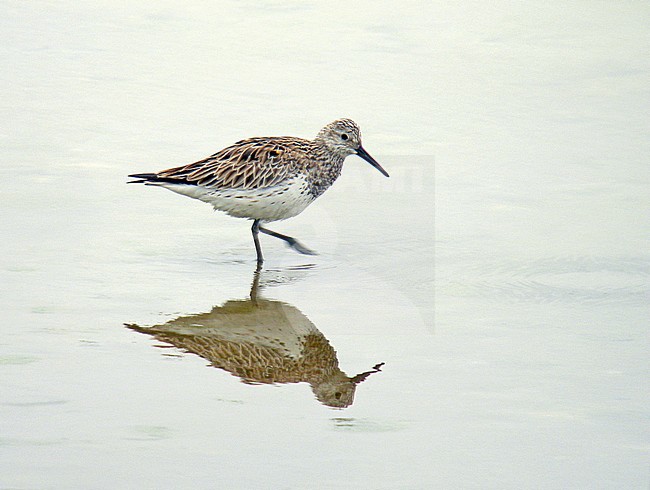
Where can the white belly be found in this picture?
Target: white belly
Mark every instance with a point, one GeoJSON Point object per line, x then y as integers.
{"type": "Point", "coordinates": [269, 204]}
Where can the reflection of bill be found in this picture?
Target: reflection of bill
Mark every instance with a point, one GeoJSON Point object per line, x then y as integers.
{"type": "Point", "coordinates": [263, 341]}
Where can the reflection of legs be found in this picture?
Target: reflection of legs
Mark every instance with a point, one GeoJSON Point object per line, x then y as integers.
{"type": "Point", "coordinates": [292, 242]}
{"type": "Point", "coordinates": [256, 231]}
{"type": "Point", "coordinates": [256, 284]}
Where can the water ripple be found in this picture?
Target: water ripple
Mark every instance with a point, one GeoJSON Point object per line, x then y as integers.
{"type": "Point", "coordinates": [583, 279]}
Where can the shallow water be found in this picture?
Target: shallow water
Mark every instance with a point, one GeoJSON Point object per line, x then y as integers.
{"type": "Point", "coordinates": [478, 320]}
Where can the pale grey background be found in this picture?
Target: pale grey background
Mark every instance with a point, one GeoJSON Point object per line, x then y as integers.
{"type": "Point", "coordinates": [527, 127]}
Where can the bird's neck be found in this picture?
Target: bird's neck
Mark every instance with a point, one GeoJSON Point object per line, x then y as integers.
{"type": "Point", "coordinates": [324, 169]}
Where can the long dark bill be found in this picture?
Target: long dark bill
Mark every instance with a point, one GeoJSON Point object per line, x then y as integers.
{"type": "Point", "coordinates": [364, 154]}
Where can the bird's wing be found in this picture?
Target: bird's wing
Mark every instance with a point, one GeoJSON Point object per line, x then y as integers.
{"type": "Point", "coordinates": [248, 164]}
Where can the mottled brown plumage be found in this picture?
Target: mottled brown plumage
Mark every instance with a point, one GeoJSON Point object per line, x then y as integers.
{"type": "Point", "coordinates": [262, 342]}
{"type": "Point", "coordinates": [254, 163]}
{"type": "Point", "coordinates": [267, 179]}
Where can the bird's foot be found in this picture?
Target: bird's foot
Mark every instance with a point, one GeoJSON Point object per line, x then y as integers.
{"type": "Point", "coordinates": [300, 248]}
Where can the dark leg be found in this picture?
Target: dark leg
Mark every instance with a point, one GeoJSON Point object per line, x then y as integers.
{"type": "Point", "coordinates": [293, 243]}
{"type": "Point", "coordinates": [256, 284]}
{"type": "Point", "coordinates": [256, 231]}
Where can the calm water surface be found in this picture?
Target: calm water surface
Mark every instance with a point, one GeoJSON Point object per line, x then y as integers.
{"type": "Point", "coordinates": [478, 320]}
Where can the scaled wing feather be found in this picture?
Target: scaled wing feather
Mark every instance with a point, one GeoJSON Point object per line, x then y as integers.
{"type": "Point", "coordinates": [249, 164]}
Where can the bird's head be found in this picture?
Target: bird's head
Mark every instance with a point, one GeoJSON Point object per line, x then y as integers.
{"type": "Point", "coordinates": [343, 137]}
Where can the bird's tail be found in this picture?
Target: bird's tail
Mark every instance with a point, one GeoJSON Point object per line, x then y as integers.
{"type": "Point", "coordinates": [153, 179]}
{"type": "Point", "coordinates": [142, 178]}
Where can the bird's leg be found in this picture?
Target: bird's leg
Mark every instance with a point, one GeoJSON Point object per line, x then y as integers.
{"type": "Point", "coordinates": [258, 248]}
{"type": "Point", "coordinates": [256, 284]}
{"type": "Point", "coordinates": [292, 242]}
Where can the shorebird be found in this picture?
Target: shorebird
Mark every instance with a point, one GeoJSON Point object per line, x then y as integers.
{"type": "Point", "coordinates": [263, 341]}
{"type": "Point", "coordinates": [267, 179]}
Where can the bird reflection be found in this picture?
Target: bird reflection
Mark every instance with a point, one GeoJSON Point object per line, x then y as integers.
{"type": "Point", "coordinates": [263, 342]}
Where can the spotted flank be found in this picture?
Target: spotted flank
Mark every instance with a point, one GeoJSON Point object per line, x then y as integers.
{"type": "Point", "coordinates": [267, 179]}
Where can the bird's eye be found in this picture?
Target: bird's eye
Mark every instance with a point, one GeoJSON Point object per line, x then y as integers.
{"type": "Point", "coordinates": [344, 137]}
